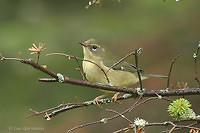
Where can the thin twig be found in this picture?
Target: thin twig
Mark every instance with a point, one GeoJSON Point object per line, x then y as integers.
{"type": "Point", "coordinates": [80, 69]}
{"type": "Point", "coordinates": [174, 126]}
{"type": "Point", "coordinates": [170, 70]}
{"type": "Point", "coordinates": [69, 106]}
{"type": "Point", "coordinates": [137, 103]}
{"type": "Point", "coordinates": [38, 57]}
{"type": "Point", "coordinates": [97, 122]}
{"type": "Point", "coordinates": [47, 80]}
{"type": "Point", "coordinates": [77, 100]}
{"type": "Point", "coordinates": [134, 105]}
{"type": "Point", "coordinates": [131, 126]}
{"type": "Point", "coordinates": [3, 58]}
{"type": "Point", "coordinates": [110, 110]}
{"type": "Point", "coordinates": [195, 65]}
{"type": "Point", "coordinates": [84, 125]}
{"type": "Point", "coordinates": [172, 129]}
{"type": "Point", "coordinates": [138, 71]}
{"type": "Point", "coordinates": [74, 57]}
{"type": "Point", "coordinates": [124, 129]}
{"type": "Point", "coordinates": [42, 112]}
{"type": "Point", "coordinates": [91, 3]}
{"type": "Point", "coordinates": [179, 127]}
{"type": "Point", "coordinates": [122, 59]}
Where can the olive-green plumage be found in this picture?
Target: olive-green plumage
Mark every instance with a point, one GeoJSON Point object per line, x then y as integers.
{"type": "Point", "coordinates": [123, 74]}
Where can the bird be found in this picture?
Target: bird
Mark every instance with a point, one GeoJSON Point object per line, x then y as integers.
{"type": "Point", "coordinates": [123, 74]}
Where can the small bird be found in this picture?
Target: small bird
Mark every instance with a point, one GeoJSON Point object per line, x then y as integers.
{"type": "Point", "coordinates": [123, 74]}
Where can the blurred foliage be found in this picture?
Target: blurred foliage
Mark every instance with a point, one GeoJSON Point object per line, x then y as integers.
{"type": "Point", "coordinates": [162, 29]}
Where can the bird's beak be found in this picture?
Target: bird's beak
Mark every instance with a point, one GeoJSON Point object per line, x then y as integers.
{"type": "Point", "coordinates": [83, 44]}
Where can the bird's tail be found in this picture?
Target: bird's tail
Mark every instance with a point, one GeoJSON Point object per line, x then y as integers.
{"type": "Point", "coordinates": [154, 75]}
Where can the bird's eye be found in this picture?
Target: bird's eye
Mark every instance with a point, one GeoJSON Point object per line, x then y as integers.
{"type": "Point", "coordinates": [94, 47]}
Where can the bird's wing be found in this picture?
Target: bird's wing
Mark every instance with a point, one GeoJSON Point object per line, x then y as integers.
{"type": "Point", "coordinates": [123, 66]}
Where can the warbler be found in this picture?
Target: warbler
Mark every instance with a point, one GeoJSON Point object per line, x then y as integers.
{"type": "Point", "coordinates": [123, 74]}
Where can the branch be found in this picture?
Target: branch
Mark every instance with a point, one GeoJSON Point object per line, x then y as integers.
{"type": "Point", "coordinates": [69, 106]}
{"type": "Point", "coordinates": [65, 107]}
{"type": "Point", "coordinates": [136, 104]}
{"type": "Point", "coordinates": [133, 91]}
{"type": "Point", "coordinates": [175, 127]}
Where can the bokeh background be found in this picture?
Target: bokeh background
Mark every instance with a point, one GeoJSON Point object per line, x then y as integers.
{"type": "Point", "coordinates": [162, 29]}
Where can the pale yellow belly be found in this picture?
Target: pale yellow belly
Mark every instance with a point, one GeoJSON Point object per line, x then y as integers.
{"type": "Point", "coordinates": [116, 77]}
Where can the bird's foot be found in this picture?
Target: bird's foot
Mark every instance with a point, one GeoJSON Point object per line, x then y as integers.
{"type": "Point", "coordinates": [115, 97]}
{"type": "Point", "coordinates": [97, 102]}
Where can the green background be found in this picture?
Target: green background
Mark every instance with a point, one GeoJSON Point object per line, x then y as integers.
{"type": "Point", "coordinates": [162, 29]}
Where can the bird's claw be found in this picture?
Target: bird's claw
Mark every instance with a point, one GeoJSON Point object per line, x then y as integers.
{"type": "Point", "coordinates": [115, 97]}
{"type": "Point", "coordinates": [97, 102]}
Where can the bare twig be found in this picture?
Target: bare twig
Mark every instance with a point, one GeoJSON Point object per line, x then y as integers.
{"type": "Point", "coordinates": [124, 130]}
{"type": "Point", "coordinates": [47, 110]}
{"type": "Point", "coordinates": [195, 65]}
{"type": "Point", "coordinates": [52, 112]}
{"type": "Point", "coordinates": [174, 126]}
{"type": "Point", "coordinates": [77, 100]}
{"type": "Point", "coordinates": [110, 110]}
{"type": "Point", "coordinates": [190, 126]}
{"type": "Point", "coordinates": [80, 69]}
{"type": "Point", "coordinates": [91, 3]}
{"type": "Point", "coordinates": [138, 71]}
{"type": "Point", "coordinates": [148, 99]}
{"type": "Point", "coordinates": [131, 125]}
{"type": "Point", "coordinates": [74, 57]}
{"type": "Point", "coordinates": [3, 58]}
{"type": "Point", "coordinates": [100, 121]}
{"type": "Point", "coordinates": [47, 80]}
{"type": "Point", "coordinates": [122, 59]}
{"type": "Point", "coordinates": [85, 125]}
{"type": "Point", "coordinates": [170, 70]}
{"type": "Point", "coordinates": [137, 103]}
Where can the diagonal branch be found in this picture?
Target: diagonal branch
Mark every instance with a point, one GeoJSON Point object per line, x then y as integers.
{"type": "Point", "coordinates": [52, 112]}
